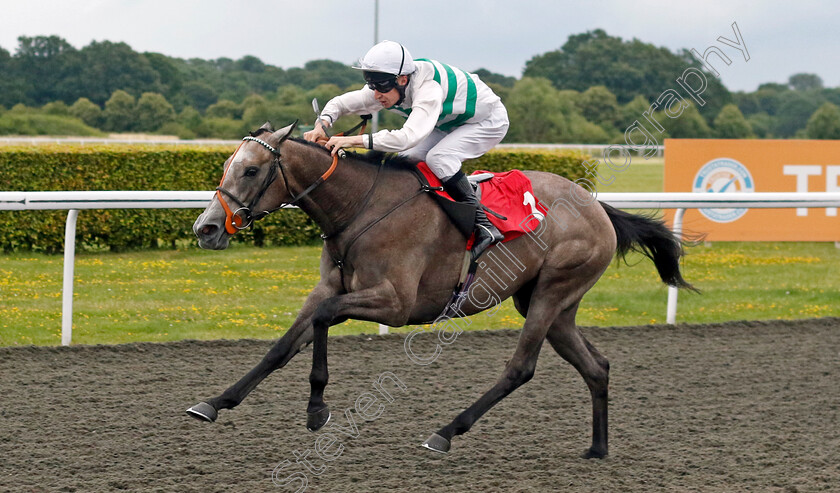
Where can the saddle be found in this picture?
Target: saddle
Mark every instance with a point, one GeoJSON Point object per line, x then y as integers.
{"type": "Point", "coordinates": [509, 193]}
{"type": "Point", "coordinates": [507, 198]}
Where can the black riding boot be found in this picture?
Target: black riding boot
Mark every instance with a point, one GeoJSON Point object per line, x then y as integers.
{"type": "Point", "coordinates": [460, 189]}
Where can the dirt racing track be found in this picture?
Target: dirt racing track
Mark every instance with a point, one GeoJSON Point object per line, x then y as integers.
{"type": "Point", "coordinates": [746, 406]}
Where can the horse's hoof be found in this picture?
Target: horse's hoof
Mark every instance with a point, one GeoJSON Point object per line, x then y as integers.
{"type": "Point", "coordinates": [204, 412]}
{"type": "Point", "coordinates": [437, 443]}
{"type": "Point", "coordinates": [315, 421]}
{"type": "Point", "coordinates": [593, 453]}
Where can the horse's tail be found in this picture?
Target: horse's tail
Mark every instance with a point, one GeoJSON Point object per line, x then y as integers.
{"type": "Point", "coordinates": [651, 238]}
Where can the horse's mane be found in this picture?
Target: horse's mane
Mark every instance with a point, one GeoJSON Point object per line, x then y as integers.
{"type": "Point", "coordinates": [374, 158]}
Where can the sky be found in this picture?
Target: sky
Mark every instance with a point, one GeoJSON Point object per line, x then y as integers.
{"type": "Point", "coordinates": [781, 37]}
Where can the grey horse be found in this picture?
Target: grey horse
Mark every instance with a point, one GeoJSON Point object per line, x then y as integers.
{"type": "Point", "coordinates": [392, 256]}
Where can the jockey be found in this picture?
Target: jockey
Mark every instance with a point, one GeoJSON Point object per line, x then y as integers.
{"type": "Point", "coordinates": [451, 115]}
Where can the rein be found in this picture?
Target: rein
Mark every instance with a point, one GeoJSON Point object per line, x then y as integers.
{"type": "Point", "coordinates": [361, 126]}
{"type": "Point", "coordinates": [242, 217]}
{"type": "Point", "coordinates": [233, 220]}
{"type": "Point", "coordinates": [338, 258]}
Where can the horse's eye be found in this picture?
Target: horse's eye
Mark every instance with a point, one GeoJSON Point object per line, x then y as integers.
{"type": "Point", "coordinates": [252, 171]}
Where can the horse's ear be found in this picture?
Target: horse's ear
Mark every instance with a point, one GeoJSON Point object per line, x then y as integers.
{"type": "Point", "coordinates": [267, 126]}
{"type": "Point", "coordinates": [284, 133]}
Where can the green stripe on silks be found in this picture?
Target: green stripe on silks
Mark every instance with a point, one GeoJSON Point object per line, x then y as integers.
{"type": "Point", "coordinates": [452, 90]}
{"type": "Point", "coordinates": [470, 110]}
{"type": "Point", "coordinates": [437, 79]}
{"type": "Point", "coordinates": [437, 74]}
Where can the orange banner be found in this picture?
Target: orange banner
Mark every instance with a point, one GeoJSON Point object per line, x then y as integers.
{"type": "Point", "coordinates": [735, 165]}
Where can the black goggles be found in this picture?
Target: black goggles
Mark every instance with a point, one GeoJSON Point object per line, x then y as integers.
{"type": "Point", "coordinates": [378, 81]}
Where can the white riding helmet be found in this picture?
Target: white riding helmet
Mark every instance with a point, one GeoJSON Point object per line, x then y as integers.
{"type": "Point", "coordinates": [388, 57]}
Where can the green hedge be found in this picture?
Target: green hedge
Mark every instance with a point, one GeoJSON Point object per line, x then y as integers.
{"type": "Point", "coordinates": [143, 167]}
{"type": "Point", "coordinates": [561, 162]}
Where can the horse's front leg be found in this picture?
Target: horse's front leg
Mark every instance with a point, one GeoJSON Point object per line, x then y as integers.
{"type": "Point", "coordinates": [379, 303]}
{"type": "Point", "coordinates": [298, 336]}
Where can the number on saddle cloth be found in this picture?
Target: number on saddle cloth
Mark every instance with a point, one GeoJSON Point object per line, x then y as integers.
{"type": "Point", "coordinates": [509, 200]}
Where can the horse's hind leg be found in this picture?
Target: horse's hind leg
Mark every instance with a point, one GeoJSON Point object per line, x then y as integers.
{"type": "Point", "coordinates": [518, 371]}
{"type": "Point", "coordinates": [522, 298]}
{"type": "Point", "coordinates": [570, 344]}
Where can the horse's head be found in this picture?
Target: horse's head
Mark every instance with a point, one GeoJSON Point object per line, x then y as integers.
{"type": "Point", "coordinates": [249, 188]}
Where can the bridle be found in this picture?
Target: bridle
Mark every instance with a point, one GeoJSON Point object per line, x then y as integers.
{"type": "Point", "coordinates": [242, 217]}
{"type": "Point", "coordinates": [234, 221]}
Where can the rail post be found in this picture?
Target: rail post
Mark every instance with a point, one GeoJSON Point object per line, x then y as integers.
{"type": "Point", "coordinates": [67, 290]}
{"type": "Point", "coordinates": [671, 314]}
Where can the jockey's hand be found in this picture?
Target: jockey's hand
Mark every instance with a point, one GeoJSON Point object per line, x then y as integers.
{"type": "Point", "coordinates": [316, 134]}
{"type": "Point", "coordinates": [336, 143]}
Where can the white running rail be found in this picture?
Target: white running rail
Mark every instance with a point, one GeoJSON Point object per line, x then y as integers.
{"type": "Point", "coordinates": [75, 201]}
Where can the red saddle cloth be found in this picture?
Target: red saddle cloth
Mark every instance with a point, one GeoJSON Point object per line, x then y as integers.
{"type": "Point", "coordinates": [508, 194]}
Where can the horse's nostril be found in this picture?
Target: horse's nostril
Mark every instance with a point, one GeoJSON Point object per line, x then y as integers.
{"type": "Point", "coordinates": [206, 230]}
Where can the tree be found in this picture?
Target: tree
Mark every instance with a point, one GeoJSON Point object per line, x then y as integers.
{"type": "Point", "coordinates": [494, 78]}
{"type": "Point", "coordinates": [626, 68]}
{"type": "Point", "coordinates": [85, 110]}
{"type": "Point", "coordinates": [119, 112]}
{"type": "Point", "coordinates": [731, 124]}
{"type": "Point", "coordinates": [583, 131]}
{"type": "Point", "coordinates": [541, 113]}
{"type": "Point", "coordinates": [42, 47]}
{"type": "Point", "coordinates": [288, 95]}
{"type": "Point", "coordinates": [832, 95]}
{"type": "Point", "coordinates": [45, 62]}
{"type": "Point", "coordinates": [317, 72]}
{"type": "Point", "coordinates": [747, 103]}
{"type": "Point", "coordinates": [805, 82]}
{"type": "Point", "coordinates": [56, 108]}
{"type": "Point", "coordinates": [762, 125]}
{"type": "Point", "coordinates": [250, 63]}
{"type": "Point", "coordinates": [200, 95]}
{"type": "Point", "coordinates": [774, 86]}
{"type": "Point", "coordinates": [598, 105]}
{"type": "Point", "coordinates": [223, 128]}
{"type": "Point", "coordinates": [105, 67]}
{"type": "Point", "coordinates": [795, 108]}
{"type": "Point", "coordinates": [501, 91]}
{"type": "Point", "coordinates": [224, 108]}
{"type": "Point", "coordinates": [769, 98]}
{"type": "Point", "coordinates": [13, 86]}
{"type": "Point", "coordinates": [689, 125]}
{"type": "Point", "coordinates": [323, 93]}
{"type": "Point", "coordinates": [167, 68]}
{"type": "Point", "coordinates": [632, 111]}
{"type": "Point", "coordinates": [569, 99]}
{"type": "Point", "coordinates": [536, 107]}
{"type": "Point", "coordinates": [825, 123]}
{"type": "Point", "coordinates": [189, 118]}
{"type": "Point", "coordinates": [153, 111]}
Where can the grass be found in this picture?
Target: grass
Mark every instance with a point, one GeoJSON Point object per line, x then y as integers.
{"type": "Point", "coordinates": [639, 176]}
{"type": "Point", "coordinates": [245, 292]}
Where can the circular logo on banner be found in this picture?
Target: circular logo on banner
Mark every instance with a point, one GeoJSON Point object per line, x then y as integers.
{"type": "Point", "coordinates": [723, 175]}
